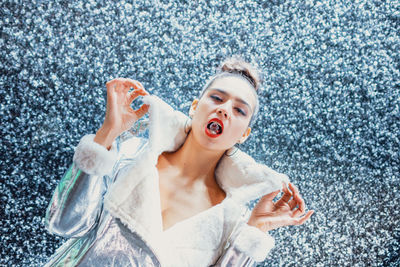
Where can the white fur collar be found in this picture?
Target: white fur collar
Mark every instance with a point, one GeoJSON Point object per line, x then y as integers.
{"type": "Point", "coordinates": [239, 175]}
{"type": "Point", "coordinates": [134, 197]}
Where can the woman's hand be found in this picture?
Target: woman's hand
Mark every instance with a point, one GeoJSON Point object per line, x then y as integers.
{"type": "Point", "coordinates": [288, 210]}
{"type": "Point", "coordinates": [119, 114]}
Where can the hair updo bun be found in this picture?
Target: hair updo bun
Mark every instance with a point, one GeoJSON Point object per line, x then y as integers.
{"type": "Point", "coordinates": [237, 65]}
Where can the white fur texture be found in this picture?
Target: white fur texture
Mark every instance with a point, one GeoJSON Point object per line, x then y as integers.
{"type": "Point", "coordinates": [239, 175]}
{"type": "Point", "coordinates": [94, 158]}
{"type": "Point", "coordinates": [245, 179]}
{"type": "Point", "coordinates": [167, 126]}
{"type": "Point", "coordinates": [134, 197]}
{"type": "Point", "coordinates": [253, 242]}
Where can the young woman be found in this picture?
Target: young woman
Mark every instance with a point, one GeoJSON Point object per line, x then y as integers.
{"type": "Point", "coordinates": [177, 197]}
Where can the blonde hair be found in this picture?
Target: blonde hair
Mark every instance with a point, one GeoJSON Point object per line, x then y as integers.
{"type": "Point", "coordinates": [237, 66]}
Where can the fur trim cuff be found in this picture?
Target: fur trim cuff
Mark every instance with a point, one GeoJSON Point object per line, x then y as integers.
{"type": "Point", "coordinates": [94, 158]}
{"type": "Point", "coordinates": [253, 242]}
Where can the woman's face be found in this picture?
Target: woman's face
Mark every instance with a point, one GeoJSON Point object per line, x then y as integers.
{"type": "Point", "coordinates": [222, 115]}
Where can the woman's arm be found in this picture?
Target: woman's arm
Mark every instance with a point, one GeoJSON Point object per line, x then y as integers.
{"type": "Point", "coordinates": [246, 246]}
{"type": "Point", "coordinates": [250, 242]}
{"type": "Point", "coordinates": [233, 257]}
{"type": "Point", "coordinates": [77, 201]}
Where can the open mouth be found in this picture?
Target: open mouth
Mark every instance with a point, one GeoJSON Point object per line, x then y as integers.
{"type": "Point", "coordinates": [214, 128]}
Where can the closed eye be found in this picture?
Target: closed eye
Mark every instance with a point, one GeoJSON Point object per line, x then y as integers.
{"type": "Point", "coordinates": [241, 111]}
{"type": "Point", "coordinates": [216, 98]}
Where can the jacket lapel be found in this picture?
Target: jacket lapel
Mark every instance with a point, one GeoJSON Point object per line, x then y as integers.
{"type": "Point", "coordinates": [134, 197]}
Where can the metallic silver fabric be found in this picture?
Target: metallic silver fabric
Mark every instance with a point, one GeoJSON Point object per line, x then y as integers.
{"type": "Point", "coordinates": [112, 244]}
{"type": "Point", "coordinates": [232, 257]}
{"type": "Point", "coordinates": [97, 238]}
{"type": "Point", "coordinates": [76, 203]}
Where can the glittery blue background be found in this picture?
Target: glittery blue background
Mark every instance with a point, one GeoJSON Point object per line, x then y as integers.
{"type": "Point", "coordinates": [329, 114]}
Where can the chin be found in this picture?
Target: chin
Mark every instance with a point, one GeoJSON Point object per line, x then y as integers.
{"type": "Point", "coordinates": [208, 143]}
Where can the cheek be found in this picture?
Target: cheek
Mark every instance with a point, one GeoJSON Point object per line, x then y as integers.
{"type": "Point", "coordinates": [198, 122]}
{"type": "Point", "coordinates": [202, 112]}
{"type": "Point", "coordinates": [242, 123]}
{"type": "Point", "coordinates": [235, 133]}
{"type": "Point", "coordinates": [202, 106]}
{"type": "Point", "coordinates": [239, 129]}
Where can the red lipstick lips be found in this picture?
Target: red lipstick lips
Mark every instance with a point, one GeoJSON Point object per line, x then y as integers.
{"type": "Point", "coordinates": [211, 133]}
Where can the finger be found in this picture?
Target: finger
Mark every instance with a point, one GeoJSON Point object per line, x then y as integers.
{"type": "Point", "coordinates": [128, 84]}
{"type": "Point", "coordinates": [305, 218]}
{"type": "Point", "coordinates": [115, 81]}
{"type": "Point", "coordinates": [120, 86]}
{"type": "Point", "coordinates": [297, 196]}
{"type": "Point", "coordinates": [112, 82]}
{"type": "Point", "coordinates": [140, 85]}
{"type": "Point", "coordinates": [137, 86]}
{"type": "Point", "coordinates": [297, 213]}
{"type": "Point", "coordinates": [285, 189]}
{"type": "Point", "coordinates": [114, 87]}
{"type": "Point", "coordinates": [134, 94]}
{"type": "Point", "coordinates": [293, 188]}
{"type": "Point", "coordinates": [142, 92]}
{"type": "Point", "coordinates": [134, 84]}
{"type": "Point", "coordinates": [292, 203]}
{"type": "Point", "coordinates": [302, 205]}
{"type": "Point", "coordinates": [301, 209]}
{"type": "Point", "coordinates": [287, 194]}
{"type": "Point", "coordinates": [142, 110]}
{"type": "Point", "coordinates": [295, 191]}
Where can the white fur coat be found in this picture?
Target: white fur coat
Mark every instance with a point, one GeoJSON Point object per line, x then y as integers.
{"type": "Point", "coordinates": [134, 198]}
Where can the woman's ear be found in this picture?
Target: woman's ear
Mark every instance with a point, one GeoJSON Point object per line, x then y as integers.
{"type": "Point", "coordinates": [193, 107]}
{"type": "Point", "coordinates": [245, 135]}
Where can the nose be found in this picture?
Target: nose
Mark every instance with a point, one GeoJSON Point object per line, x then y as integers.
{"type": "Point", "coordinates": [222, 111]}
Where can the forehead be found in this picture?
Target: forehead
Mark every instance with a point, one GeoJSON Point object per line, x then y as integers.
{"type": "Point", "coordinates": [236, 87]}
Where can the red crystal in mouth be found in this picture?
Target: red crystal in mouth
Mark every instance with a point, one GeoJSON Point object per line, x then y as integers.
{"type": "Point", "coordinates": [209, 133]}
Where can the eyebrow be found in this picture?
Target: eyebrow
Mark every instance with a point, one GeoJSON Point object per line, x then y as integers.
{"type": "Point", "coordinates": [237, 99]}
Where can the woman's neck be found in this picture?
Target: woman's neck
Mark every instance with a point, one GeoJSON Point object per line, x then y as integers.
{"type": "Point", "coordinates": [194, 162]}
